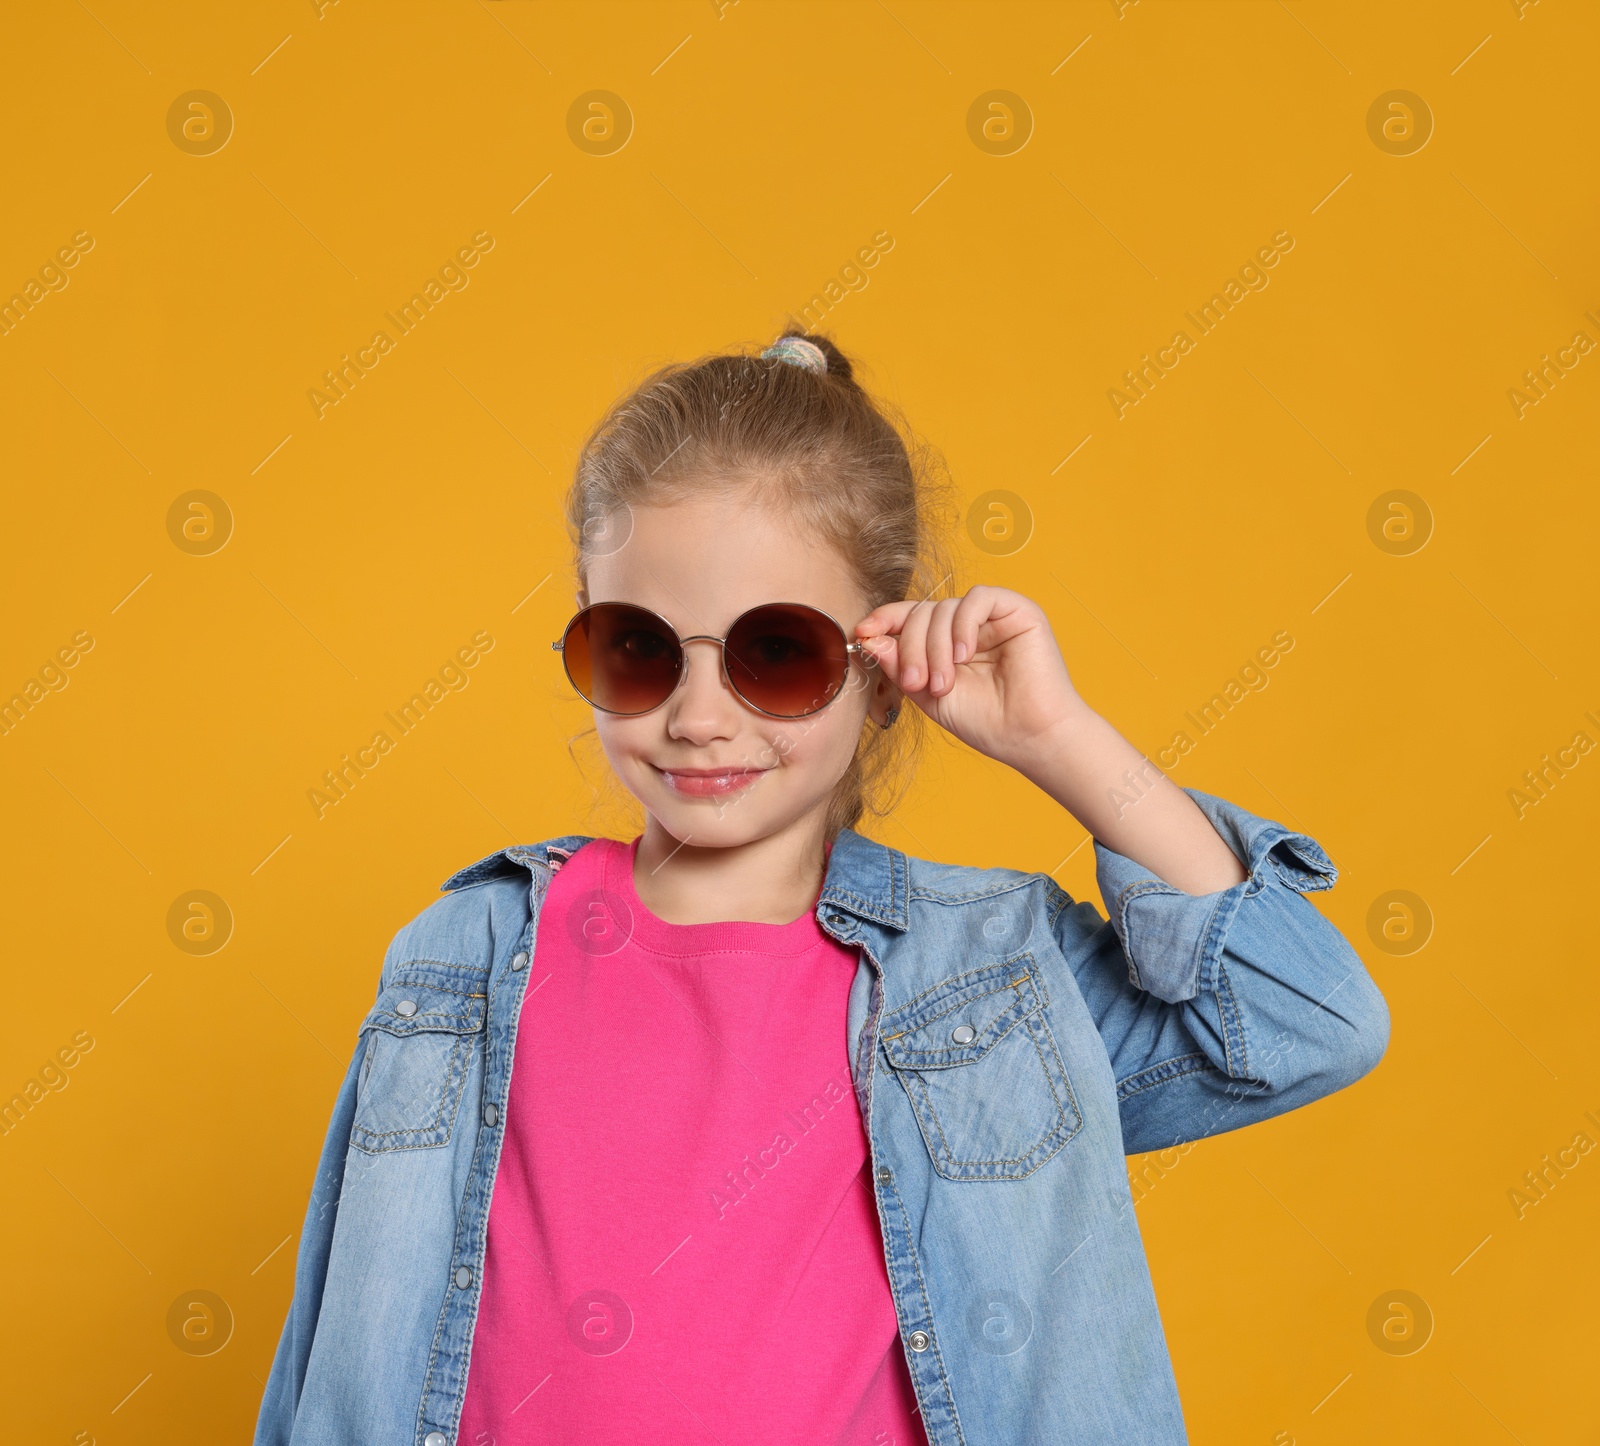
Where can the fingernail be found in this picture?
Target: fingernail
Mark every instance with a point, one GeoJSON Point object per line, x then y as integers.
{"type": "Point", "coordinates": [938, 682]}
{"type": "Point", "coordinates": [911, 679]}
{"type": "Point", "coordinates": [961, 652]}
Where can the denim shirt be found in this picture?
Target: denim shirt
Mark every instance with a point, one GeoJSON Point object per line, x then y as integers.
{"type": "Point", "coordinates": [1008, 1046]}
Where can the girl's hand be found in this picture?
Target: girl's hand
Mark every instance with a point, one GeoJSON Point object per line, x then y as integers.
{"type": "Point", "coordinates": [985, 666]}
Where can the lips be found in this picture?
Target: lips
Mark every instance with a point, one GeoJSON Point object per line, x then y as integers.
{"type": "Point", "coordinates": [709, 782]}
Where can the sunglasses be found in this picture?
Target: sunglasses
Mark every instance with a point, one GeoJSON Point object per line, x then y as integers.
{"type": "Point", "coordinates": [787, 660]}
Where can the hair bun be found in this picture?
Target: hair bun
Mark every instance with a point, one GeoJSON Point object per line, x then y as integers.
{"type": "Point", "coordinates": [798, 351]}
{"type": "Point", "coordinates": [812, 352]}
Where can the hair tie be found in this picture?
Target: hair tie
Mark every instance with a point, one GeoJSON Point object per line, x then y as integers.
{"type": "Point", "coordinates": [798, 352]}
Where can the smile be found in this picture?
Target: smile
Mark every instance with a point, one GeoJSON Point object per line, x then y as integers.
{"type": "Point", "coordinates": [709, 782]}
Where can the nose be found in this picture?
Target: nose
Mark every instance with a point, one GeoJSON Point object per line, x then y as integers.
{"type": "Point", "coordinates": [702, 707]}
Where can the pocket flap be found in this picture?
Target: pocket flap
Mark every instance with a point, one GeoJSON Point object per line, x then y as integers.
{"type": "Point", "coordinates": [960, 1019]}
{"type": "Point", "coordinates": [423, 996]}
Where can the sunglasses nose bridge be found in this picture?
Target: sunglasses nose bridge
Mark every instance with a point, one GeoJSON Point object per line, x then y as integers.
{"type": "Point", "coordinates": [683, 654]}
{"type": "Point", "coordinates": [701, 701]}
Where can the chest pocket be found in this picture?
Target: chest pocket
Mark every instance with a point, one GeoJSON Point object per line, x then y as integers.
{"type": "Point", "coordinates": [421, 1036]}
{"type": "Point", "coordinates": [983, 1073]}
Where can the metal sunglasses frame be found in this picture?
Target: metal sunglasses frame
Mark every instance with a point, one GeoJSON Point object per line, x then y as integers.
{"type": "Point", "coordinates": [722, 643]}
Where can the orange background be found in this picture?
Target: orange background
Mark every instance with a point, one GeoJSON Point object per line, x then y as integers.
{"type": "Point", "coordinates": [768, 142]}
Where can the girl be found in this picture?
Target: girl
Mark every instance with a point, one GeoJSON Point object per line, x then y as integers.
{"type": "Point", "coordinates": [753, 1128]}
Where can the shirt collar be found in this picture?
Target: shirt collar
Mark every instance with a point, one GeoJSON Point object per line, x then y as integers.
{"type": "Point", "coordinates": [864, 878]}
{"type": "Point", "coordinates": [867, 879]}
{"type": "Point", "coordinates": [519, 856]}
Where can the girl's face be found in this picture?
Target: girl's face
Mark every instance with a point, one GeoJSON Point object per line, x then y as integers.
{"type": "Point", "coordinates": [706, 766]}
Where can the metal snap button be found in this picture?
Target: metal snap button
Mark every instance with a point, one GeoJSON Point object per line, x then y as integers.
{"type": "Point", "coordinates": [519, 960]}
{"type": "Point", "coordinates": [964, 1034]}
{"type": "Point", "coordinates": [463, 1278]}
{"type": "Point", "coordinates": [920, 1341]}
{"type": "Point", "coordinates": [435, 1438]}
{"type": "Point", "coordinates": [406, 1008]}
{"type": "Point", "coordinates": [491, 1116]}
{"type": "Point", "coordinates": [837, 919]}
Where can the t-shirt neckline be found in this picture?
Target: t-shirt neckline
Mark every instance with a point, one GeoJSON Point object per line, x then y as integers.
{"type": "Point", "coordinates": [647, 931]}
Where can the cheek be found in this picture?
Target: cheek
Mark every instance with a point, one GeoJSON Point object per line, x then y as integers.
{"type": "Point", "coordinates": [828, 746]}
{"type": "Point", "coordinates": [622, 738]}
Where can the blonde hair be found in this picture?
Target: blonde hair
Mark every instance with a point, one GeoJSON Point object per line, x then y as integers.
{"type": "Point", "coordinates": [844, 464]}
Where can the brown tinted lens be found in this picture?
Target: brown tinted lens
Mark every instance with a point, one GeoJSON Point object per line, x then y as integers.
{"type": "Point", "coordinates": [787, 659]}
{"type": "Point", "coordinates": [622, 659]}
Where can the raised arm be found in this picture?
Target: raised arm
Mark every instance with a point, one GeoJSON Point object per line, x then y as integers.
{"type": "Point", "coordinates": [1220, 992]}
{"type": "Point", "coordinates": [1221, 1009]}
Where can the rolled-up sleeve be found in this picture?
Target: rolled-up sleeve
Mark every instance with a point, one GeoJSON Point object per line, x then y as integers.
{"type": "Point", "coordinates": [1221, 1009]}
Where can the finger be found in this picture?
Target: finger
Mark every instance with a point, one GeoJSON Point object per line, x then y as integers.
{"type": "Point", "coordinates": [889, 659]}
{"type": "Point", "coordinates": [940, 647]}
{"type": "Point", "coordinates": [973, 611]}
{"type": "Point", "coordinates": [885, 621]}
{"type": "Point", "coordinates": [885, 653]}
{"type": "Point", "coordinates": [913, 648]}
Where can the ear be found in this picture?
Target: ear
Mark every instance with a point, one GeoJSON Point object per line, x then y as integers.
{"type": "Point", "coordinates": [884, 697]}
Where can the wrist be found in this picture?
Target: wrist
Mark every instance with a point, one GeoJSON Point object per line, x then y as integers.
{"type": "Point", "coordinates": [1040, 752]}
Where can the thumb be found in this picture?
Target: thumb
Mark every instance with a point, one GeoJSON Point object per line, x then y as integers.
{"type": "Point", "coordinates": [886, 651]}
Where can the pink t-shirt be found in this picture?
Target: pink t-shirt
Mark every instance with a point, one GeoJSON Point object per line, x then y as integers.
{"type": "Point", "coordinates": [683, 1243]}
